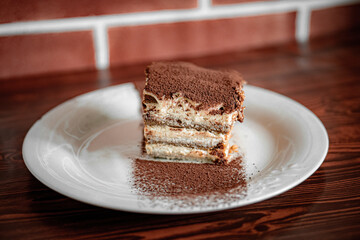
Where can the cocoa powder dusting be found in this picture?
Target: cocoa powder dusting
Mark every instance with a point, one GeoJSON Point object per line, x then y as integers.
{"type": "Point", "coordinates": [187, 181]}
{"type": "Point", "coordinates": [208, 87]}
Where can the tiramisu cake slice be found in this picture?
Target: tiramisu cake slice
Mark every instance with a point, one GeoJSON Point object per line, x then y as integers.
{"type": "Point", "coordinates": [189, 111]}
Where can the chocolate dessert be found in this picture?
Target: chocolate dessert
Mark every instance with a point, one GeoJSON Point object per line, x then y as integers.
{"type": "Point", "coordinates": [189, 111]}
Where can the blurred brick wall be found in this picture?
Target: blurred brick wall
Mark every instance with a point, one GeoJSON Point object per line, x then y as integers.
{"type": "Point", "coordinates": [39, 37]}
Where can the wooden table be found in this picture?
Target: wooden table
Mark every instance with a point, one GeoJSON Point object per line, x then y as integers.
{"type": "Point", "coordinates": [323, 76]}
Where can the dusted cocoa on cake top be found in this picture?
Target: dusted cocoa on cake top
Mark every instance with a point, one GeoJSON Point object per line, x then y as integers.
{"type": "Point", "coordinates": [209, 88]}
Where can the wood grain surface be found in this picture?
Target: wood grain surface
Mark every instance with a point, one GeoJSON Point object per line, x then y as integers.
{"type": "Point", "coordinates": [323, 76]}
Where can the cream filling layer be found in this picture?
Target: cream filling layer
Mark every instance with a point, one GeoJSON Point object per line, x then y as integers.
{"type": "Point", "coordinates": [179, 152]}
{"type": "Point", "coordinates": [185, 136]}
{"type": "Point", "coordinates": [168, 151]}
{"type": "Point", "coordinates": [183, 109]}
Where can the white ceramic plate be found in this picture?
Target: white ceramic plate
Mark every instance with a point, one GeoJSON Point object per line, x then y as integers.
{"type": "Point", "coordinates": [83, 149]}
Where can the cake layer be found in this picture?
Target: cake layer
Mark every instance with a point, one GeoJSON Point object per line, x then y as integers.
{"type": "Point", "coordinates": [181, 112]}
{"type": "Point", "coordinates": [169, 151]}
{"type": "Point", "coordinates": [177, 123]}
{"type": "Point", "coordinates": [184, 136]}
